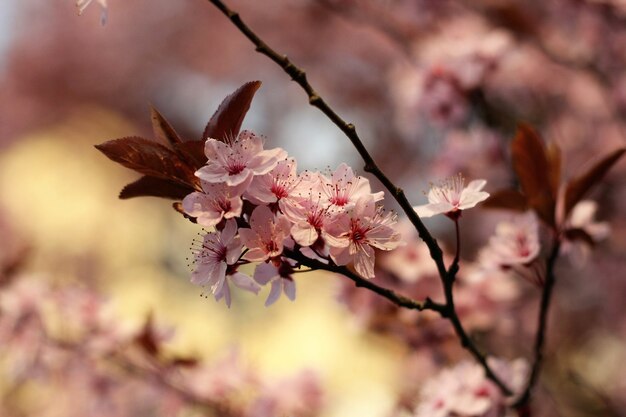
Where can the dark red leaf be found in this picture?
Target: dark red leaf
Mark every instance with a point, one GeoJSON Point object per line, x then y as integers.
{"type": "Point", "coordinates": [553, 153]}
{"type": "Point", "coordinates": [192, 151]}
{"type": "Point", "coordinates": [149, 158]}
{"type": "Point", "coordinates": [507, 199]}
{"type": "Point", "coordinates": [163, 131]}
{"type": "Point", "coordinates": [226, 121]}
{"type": "Point", "coordinates": [155, 187]}
{"type": "Point", "coordinates": [147, 339]}
{"type": "Point", "coordinates": [530, 162]}
{"type": "Point", "coordinates": [578, 187]}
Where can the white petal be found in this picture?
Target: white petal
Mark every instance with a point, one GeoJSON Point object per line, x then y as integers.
{"type": "Point", "coordinates": [364, 262]}
{"type": "Point", "coordinates": [274, 293]}
{"type": "Point", "coordinates": [229, 231]}
{"type": "Point", "coordinates": [304, 234]}
{"type": "Point", "coordinates": [289, 287]}
{"type": "Point", "coordinates": [266, 160]}
{"type": "Point", "coordinates": [470, 198]}
{"type": "Point", "coordinates": [245, 282]}
{"type": "Point", "coordinates": [264, 273]}
{"type": "Point", "coordinates": [476, 185]}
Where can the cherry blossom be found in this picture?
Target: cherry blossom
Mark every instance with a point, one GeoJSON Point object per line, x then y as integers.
{"type": "Point", "coordinates": [465, 391]}
{"type": "Point", "coordinates": [237, 160]}
{"type": "Point", "coordinates": [354, 234]}
{"type": "Point", "coordinates": [216, 261]}
{"type": "Point", "coordinates": [451, 197]}
{"type": "Point", "coordinates": [82, 5]}
{"type": "Point", "coordinates": [217, 201]}
{"type": "Point", "coordinates": [266, 234]}
{"type": "Point", "coordinates": [281, 185]}
{"type": "Point", "coordinates": [309, 218]}
{"type": "Point", "coordinates": [280, 277]}
{"type": "Point", "coordinates": [582, 218]}
{"type": "Point", "coordinates": [343, 188]}
{"type": "Point", "coordinates": [515, 242]}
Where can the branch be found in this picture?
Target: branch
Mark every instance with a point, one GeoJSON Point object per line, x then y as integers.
{"type": "Point", "coordinates": [540, 336]}
{"type": "Point", "coordinates": [447, 276]}
{"type": "Point", "coordinates": [390, 295]}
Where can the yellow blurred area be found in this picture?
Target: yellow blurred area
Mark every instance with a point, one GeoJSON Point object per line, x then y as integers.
{"type": "Point", "coordinates": [61, 194]}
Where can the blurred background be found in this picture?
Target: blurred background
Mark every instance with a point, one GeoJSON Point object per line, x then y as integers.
{"type": "Point", "coordinates": [435, 87]}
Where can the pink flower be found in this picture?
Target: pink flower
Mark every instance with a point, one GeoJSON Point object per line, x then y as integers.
{"type": "Point", "coordinates": [353, 235]}
{"type": "Point", "coordinates": [266, 234]}
{"type": "Point", "coordinates": [582, 217]}
{"type": "Point", "coordinates": [515, 242]}
{"type": "Point", "coordinates": [281, 280]}
{"type": "Point", "coordinates": [216, 260]}
{"type": "Point", "coordinates": [236, 161]}
{"type": "Point", "coordinates": [343, 188]}
{"type": "Point", "coordinates": [216, 202]}
{"type": "Point", "coordinates": [309, 218]}
{"type": "Point", "coordinates": [82, 5]}
{"type": "Point", "coordinates": [451, 196]}
{"type": "Point", "coordinates": [281, 185]}
{"type": "Point", "coordinates": [464, 391]}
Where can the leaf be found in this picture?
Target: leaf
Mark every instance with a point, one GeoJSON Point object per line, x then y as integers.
{"type": "Point", "coordinates": [553, 153]}
{"type": "Point", "coordinates": [155, 187]}
{"type": "Point", "coordinates": [530, 162]}
{"type": "Point", "coordinates": [192, 151]}
{"type": "Point", "coordinates": [507, 199]}
{"type": "Point", "coordinates": [148, 158]}
{"type": "Point", "coordinates": [579, 186]}
{"type": "Point", "coordinates": [147, 338]}
{"type": "Point", "coordinates": [163, 131]}
{"type": "Point", "coordinates": [226, 121]}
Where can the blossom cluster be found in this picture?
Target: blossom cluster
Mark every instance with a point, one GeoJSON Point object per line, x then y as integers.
{"type": "Point", "coordinates": [64, 342]}
{"type": "Point", "coordinates": [262, 210]}
{"type": "Point", "coordinates": [465, 391]}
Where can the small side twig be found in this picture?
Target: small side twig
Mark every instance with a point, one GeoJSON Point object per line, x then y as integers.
{"type": "Point", "coordinates": [399, 300]}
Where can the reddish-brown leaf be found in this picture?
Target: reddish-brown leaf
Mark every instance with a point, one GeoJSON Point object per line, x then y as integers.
{"type": "Point", "coordinates": [507, 199]}
{"type": "Point", "coordinates": [553, 153]}
{"type": "Point", "coordinates": [226, 121]}
{"type": "Point", "coordinates": [155, 187]}
{"type": "Point", "coordinates": [578, 187]}
{"type": "Point", "coordinates": [530, 162]}
{"type": "Point", "coordinates": [147, 338]}
{"type": "Point", "coordinates": [192, 151]}
{"type": "Point", "coordinates": [148, 158]}
{"type": "Point", "coordinates": [163, 131]}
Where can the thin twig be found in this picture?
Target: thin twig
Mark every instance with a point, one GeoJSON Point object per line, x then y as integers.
{"type": "Point", "coordinates": [542, 326]}
{"type": "Point", "coordinates": [447, 276]}
{"type": "Point", "coordinates": [399, 300]}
